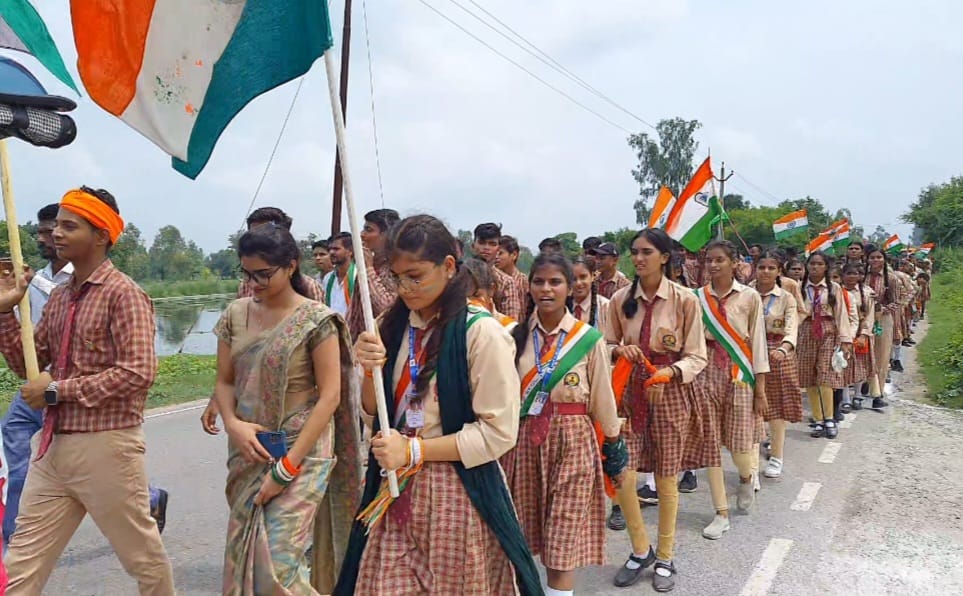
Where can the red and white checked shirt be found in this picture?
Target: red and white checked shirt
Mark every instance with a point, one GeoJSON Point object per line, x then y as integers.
{"type": "Point", "coordinates": [384, 291]}
{"type": "Point", "coordinates": [112, 362]}
{"type": "Point", "coordinates": [314, 289]}
{"type": "Point", "coordinates": [509, 299]}
{"type": "Point", "coordinates": [608, 287]}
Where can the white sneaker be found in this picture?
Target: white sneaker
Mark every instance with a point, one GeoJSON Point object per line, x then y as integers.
{"type": "Point", "coordinates": [889, 389]}
{"type": "Point", "coordinates": [718, 527]}
{"type": "Point", "coordinates": [774, 468]}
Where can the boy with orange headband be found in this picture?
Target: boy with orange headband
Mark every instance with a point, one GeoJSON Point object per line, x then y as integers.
{"type": "Point", "coordinates": [97, 335]}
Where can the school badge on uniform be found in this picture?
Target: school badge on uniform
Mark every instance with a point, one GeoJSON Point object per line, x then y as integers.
{"type": "Point", "coordinates": [669, 340]}
{"type": "Point", "coordinates": [572, 380]}
{"type": "Point", "coordinates": [779, 324]}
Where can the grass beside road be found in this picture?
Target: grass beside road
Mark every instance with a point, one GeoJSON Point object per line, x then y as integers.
{"type": "Point", "coordinates": [941, 351]}
{"type": "Point", "coordinates": [201, 287]}
{"type": "Point", "coordinates": [180, 378]}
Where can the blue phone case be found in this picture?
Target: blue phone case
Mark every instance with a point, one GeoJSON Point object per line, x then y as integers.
{"type": "Point", "coordinates": [275, 442]}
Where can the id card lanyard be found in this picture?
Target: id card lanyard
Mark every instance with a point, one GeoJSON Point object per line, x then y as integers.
{"type": "Point", "coordinates": [415, 413]}
{"type": "Point", "coordinates": [544, 372]}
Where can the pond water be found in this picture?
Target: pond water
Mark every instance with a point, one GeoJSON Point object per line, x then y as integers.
{"type": "Point", "coordinates": [185, 326]}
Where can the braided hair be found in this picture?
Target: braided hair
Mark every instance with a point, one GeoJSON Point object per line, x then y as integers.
{"type": "Point", "coordinates": [856, 267]}
{"type": "Point", "coordinates": [828, 260]}
{"type": "Point", "coordinates": [546, 259]}
{"type": "Point", "coordinates": [662, 243]}
{"type": "Point", "coordinates": [776, 255]}
{"type": "Point", "coordinates": [887, 296]}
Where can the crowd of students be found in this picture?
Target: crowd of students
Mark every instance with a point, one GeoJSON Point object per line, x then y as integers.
{"type": "Point", "coordinates": [529, 411]}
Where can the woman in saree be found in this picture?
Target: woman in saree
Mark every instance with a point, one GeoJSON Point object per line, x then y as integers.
{"type": "Point", "coordinates": [283, 367]}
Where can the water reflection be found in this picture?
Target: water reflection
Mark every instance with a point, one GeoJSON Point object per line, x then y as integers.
{"type": "Point", "coordinates": [186, 327]}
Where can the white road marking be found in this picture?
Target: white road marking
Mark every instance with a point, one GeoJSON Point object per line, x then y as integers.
{"type": "Point", "coordinates": [850, 418]}
{"type": "Point", "coordinates": [177, 411]}
{"type": "Point", "coordinates": [807, 494]}
{"type": "Point", "coordinates": [763, 575]}
{"type": "Point", "coordinates": [829, 453]}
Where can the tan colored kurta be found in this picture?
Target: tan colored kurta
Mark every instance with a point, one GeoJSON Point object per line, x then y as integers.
{"type": "Point", "coordinates": [840, 316]}
{"type": "Point", "coordinates": [587, 382]}
{"type": "Point", "coordinates": [601, 314]}
{"type": "Point", "coordinates": [494, 386]}
{"type": "Point", "coordinates": [676, 325]}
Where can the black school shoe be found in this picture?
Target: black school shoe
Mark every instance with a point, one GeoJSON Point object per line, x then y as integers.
{"type": "Point", "coordinates": [832, 431]}
{"type": "Point", "coordinates": [648, 496]}
{"type": "Point", "coordinates": [879, 403]}
{"type": "Point", "coordinates": [816, 430]}
{"type": "Point", "coordinates": [688, 484]}
{"type": "Point", "coordinates": [616, 519]}
{"type": "Point", "coordinates": [897, 366]}
{"type": "Point", "coordinates": [664, 583]}
{"type": "Point", "coordinates": [627, 577]}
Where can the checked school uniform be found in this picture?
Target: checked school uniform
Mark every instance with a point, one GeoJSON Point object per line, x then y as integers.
{"type": "Point", "coordinates": [781, 314]}
{"type": "Point", "coordinates": [608, 287]}
{"type": "Point", "coordinates": [445, 547]}
{"type": "Point", "coordinates": [583, 311]}
{"type": "Point", "coordinates": [555, 470]}
{"type": "Point", "coordinates": [669, 436]}
{"type": "Point", "coordinates": [739, 315]}
{"type": "Point", "coordinates": [822, 329]}
{"type": "Point", "coordinates": [886, 291]}
{"type": "Point", "coordinates": [862, 364]}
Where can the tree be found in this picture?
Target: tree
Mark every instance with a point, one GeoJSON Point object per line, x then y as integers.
{"type": "Point", "coordinates": [525, 259]}
{"type": "Point", "coordinates": [129, 254]}
{"type": "Point", "coordinates": [172, 258]}
{"type": "Point", "coordinates": [467, 239]}
{"type": "Point", "coordinates": [622, 238]}
{"type": "Point", "coordinates": [664, 160]}
{"type": "Point", "coordinates": [570, 244]}
{"type": "Point", "coordinates": [733, 202]}
{"type": "Point", "coordinates": [938, 212]}
{"type": "Point", "coordinates": [223, 263]}
{"type": "Point", "coordinates": [879, 236]}
{"type": "Point", "coordinates": [28, 244]}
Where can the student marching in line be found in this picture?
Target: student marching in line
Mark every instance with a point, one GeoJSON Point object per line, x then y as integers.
{"type": "Point", "coordinates": [824, 328]}
{"type": "Point", "coordinates": [655, 327]}
{"type": "Point", "coordinates": [588, 305]}
{"type": "Point", "coordinates": [452, 392]}
{"type": "Point", "coordinates": [795, 270]}
{"type": "Point", "coordinates": [862, 365]}
{"type": "Point", "coordinates": [555, 472]}
{"type": "Point", "coordinates": [481, 290]}
{"type": "Point", "coordinates": [885, 287]}
{"type": "Point", "coordinates": [780, 310]}
{"type": "Point", "coordinates": [735, 379]}
{"type": "Point", "coordinates": [610, 279]}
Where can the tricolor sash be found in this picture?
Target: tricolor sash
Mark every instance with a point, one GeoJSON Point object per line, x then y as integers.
{"type": "Point", "coordinates": [348, 287]}
{"type": "Point", "coordinates": [723, 332]}
{"type": "Point", "coordinates": [580, 341]}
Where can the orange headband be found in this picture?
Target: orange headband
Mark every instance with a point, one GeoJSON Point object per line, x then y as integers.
{"type": "Point", "coordinates": [97, 212]}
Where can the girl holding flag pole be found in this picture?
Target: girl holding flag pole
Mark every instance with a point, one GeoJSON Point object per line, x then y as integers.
{"type": "Point", "coordinates": [825, 326]}
{"type": "Point", "coordinates": [656, 329]}
{"type": "Point", "coordinates": [735, 379]}
{"type": "Point", "coordinates": [555, 472]}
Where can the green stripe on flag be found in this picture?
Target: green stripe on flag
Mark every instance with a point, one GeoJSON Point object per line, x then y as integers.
{"type": "Point", "coordinates": [270, 47]}
{"type": "Point", "coordinates": [704, 229]}
{"type": "Point", "coordinates": [782, 235]}
{"type": "Point", "coordinates": [25, 22]}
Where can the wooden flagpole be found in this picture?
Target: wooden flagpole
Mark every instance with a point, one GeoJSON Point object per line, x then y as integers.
{"type": "Point", "coordinates": [13, 232]}
{"type": "Point", "coordinates": [369, 321]}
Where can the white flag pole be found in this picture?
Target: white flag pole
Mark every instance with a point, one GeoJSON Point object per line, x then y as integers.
{"type": "Point", "coordinates": [369, 321]}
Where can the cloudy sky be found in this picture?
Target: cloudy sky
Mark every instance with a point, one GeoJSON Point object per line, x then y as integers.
{"type": "Point", "coordinates": [855, 103]}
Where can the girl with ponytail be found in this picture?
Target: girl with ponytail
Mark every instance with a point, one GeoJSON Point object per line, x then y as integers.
{"type": "Point", "coordinates": [862, 365]}
{"type": "Point", "coordinates": [588, 305]}
{"type": "Point", "coordinates": [556, 472]}
{"type": "Point", "coordinates": [885, 287]}
{"type": "Point", "coordinates": [451, 384]}
{"type": "Point", "coordinates": [656, 331]}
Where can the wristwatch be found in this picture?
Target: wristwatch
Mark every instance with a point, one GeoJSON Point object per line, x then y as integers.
{"type": "Point", "coordinates": [50, 395]}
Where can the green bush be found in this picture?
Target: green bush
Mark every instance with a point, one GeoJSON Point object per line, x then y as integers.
{"type": "Point", "coordinates": [941, 352]}
{"type": "Point", "coordinates": [200, 287]}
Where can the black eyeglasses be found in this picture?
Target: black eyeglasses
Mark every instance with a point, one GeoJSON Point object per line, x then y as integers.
{"type": "Point", "coordinates": [261, 277]}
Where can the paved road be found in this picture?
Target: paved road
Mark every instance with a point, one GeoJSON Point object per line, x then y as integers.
{"type": "Point", "coordinates": [885, 515]}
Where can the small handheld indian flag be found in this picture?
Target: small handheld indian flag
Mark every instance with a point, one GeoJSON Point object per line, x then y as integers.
{"type": "Point", "coordinates": [823, 242]}
{"type": "Point", "coordinates": [925, 249]}
{"type": "Point", "coordinates": [697, 210]}
{"type": "Point", "coordinates": [893, 244]}
{"type": "Point", "coordinates": [178, 71]}
{"type": "Point", "coordinates": [663, 207]}
{"type": "Point", "coordinates": [841, 232]}
{"type": "Point", "coordinates": [789, 224]}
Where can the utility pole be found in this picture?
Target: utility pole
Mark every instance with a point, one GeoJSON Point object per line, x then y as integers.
{"type": "Point", "coordinates": [345, 59]}
{"type": "Point", "coordinates": [720, 234]}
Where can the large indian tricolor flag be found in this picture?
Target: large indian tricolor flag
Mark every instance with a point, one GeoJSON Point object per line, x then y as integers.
{"type": "Point", "coordinates": [178, 71]}
{"type": "Point", "coordinates": [697, 210]}
{"type": "Point", "coordinates": [789, 224]}
{"type": "Point", "coordinates": [823, 242]}
{"type": "Point", "coordinates": [841, 232]}
{"type": "Point", "coordinates": [22, 29]}
{"type": "Point", "coordinates": [663, 207]}
{"type": "Point", "coordinates": [893, 244]}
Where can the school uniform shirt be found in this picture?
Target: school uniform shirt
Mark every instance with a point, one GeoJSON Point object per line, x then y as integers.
{"type": "Point", "coordinates": [865, 307]}
{"type": "Point", "coordinates": [876, 282]}
{"type": "Point", "coordinates": [111, 363]}
{"type": "Point", "coordinates": [844, 333]}
{"type": "Point", "coordinates": [608, 287]}
{"type": "Point", "coordinates": [791, 286]}
{"type": "Point", "coordinates": [852, 307]}
{"type": "Point", "coordinates": [676, 325]}
{"type": "Point", "coordinates": [781, 314]}
{"type": "Point", "coordinates": [508, 296]}
{"type": "Point", "coordinates": [588, 382]}
{"type": "Point", "coordinates": [583, 311]}
{"type": "Point", "coordinates": [494, 388]}
{"type": "Point", "coordinates": [907, 288]}
{"type": "Point", "coordinates": [338, 301]}
{"type": "Point", "coordinates": [744, 312]}
{"type": "Point", "coordinates": [521, 281]}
